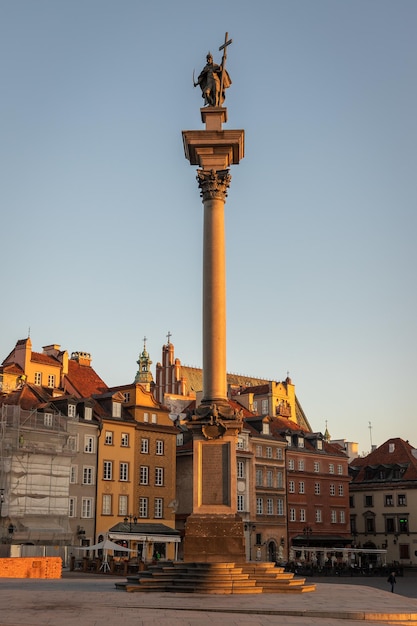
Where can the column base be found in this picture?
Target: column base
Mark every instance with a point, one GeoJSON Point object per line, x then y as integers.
{"type": "Point", "coordinates": [214, 539]}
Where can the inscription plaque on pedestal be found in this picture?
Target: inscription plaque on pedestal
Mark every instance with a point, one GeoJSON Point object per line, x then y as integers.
{"type": "Point", "coordinates": [215, 474]}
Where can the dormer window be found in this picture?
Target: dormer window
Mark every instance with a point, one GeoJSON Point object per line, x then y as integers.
{"type": "Point", "coordinates": [117, 409]}
{"type": "Point", "coordinates": [71, 410]}
{"type": "Point", "coordinates": [265, 428]}
{"type": "Point", "coordinates": [300, 441]}
{"type": "Point", "coordinates": [288, 438]}
{"type": "Point", "coordinates": [319, 444]}
{"type": "Point", "coordinates": [88, 413]}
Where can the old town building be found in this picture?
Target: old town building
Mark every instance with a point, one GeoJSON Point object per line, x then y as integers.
{"type": "Point", "coordinates": [383, 502]}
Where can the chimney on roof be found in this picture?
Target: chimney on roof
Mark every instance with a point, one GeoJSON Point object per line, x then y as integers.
{"type": "Point", "coordinates": [83, 358]}
{"type": "Point", "coordinates": [52, 350]}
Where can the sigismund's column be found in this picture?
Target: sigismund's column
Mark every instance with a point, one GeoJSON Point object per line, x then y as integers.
{"type": "Point", "coordinates": [214, 531]}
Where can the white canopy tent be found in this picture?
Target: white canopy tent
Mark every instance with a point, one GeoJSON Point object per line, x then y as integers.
{"type": "Point", "coordinates": [105, 545]}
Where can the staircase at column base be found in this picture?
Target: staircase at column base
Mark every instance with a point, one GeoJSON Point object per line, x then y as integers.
{"type": "Point", "coordinates": [216, 578]}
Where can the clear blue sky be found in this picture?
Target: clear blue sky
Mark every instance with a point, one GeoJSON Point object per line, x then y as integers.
{"type": "Point", "coordinates": [101, 226]}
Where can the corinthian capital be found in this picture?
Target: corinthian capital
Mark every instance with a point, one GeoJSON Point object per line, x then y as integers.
{"type": "Point", "coordinates": [213, 184]}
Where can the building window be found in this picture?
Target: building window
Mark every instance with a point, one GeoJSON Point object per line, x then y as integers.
{"type": "Point", "coordinates": [316, 466]}
{"type": "Point", "coordinates": [240, 503]}
{"type": "Point", "coordinates": [106, 504]}
{"type": "Point", "coordinates": [125, 440]}
{"type": "Point", "coordinates": [340, 469]}
{"type": "Point", "coordinates": [143, 507]}
{"type": "Point", "coordinates": [71, 410]}
{"type": "Point", "coordinates": [333, 517]}
{"type": "Point", "coordinates": [159, 476]}
{"type": "Point", "coordinates": [240, 443]}
{"type": "Point", "coordinates": [159, 447]}
{"type": "Point", "coordinates": [88, 413]}
{"type": "Point", "coordinates": [73, 474]}
{"type": "Point", "coordinates": [73, 443]}
{"type": "Point", "coordinates": [144, 475]}
{"type": "Point", "coordinates": [72, 507]}
{"type": "Point", "coordinates": [108, 438]}
{"type": "Point", "coordinates": [146, 417]}
{"type": "Point", "coordinates": [404, 551]}
{"type": "Point", "coordinates": [280, 480]}
{"type": "Point", "coordinates": [48, 420]}
{"type": "Point", "coordinates": [319, 444]}
{"type": "Point", "coordinates": [116, 409]}
{"type": "Point", "coordinates": [280, 506]}
{"type": "Point", "coordinates": [89, 444]}
{"type": "Point", "coordinates": [318, 516]}
{"type": "Point", "coordinates": [331, 468]}
{"type": "Point", "coordinates": [403, 525]}
{"type": "Point", "coordinates": [293, 517]}
{"type": "Point", "coordinates": [144, 446]}
{"type": "Point", "coordinates": [370, 525]}
{"type": "Point", "coordinates": [108, 470]}
{"type": "Point", "coordinates": [369, 501]}
{"type": "Point", "coordinates": [180, 439]}
{"type": "Point", "coordinates": [51, 380]}
{"type": "Point", "coordinates": [88, 475]}
{"type": "Point", "coordinates": [301, 465]}
{"type": "Point", "coordinates": [302, 515]}
{"type": "Point", "coordinates": [87, 507]}
{"type": "Point", "coordinates": [126, 396]}
{"type": "Point", "coordinates": [259, 506]}
{"type": "Point", "coordinates": [269, 481]}
{"type": "Point", "coordinates": [159, 508]}
{"type": "Point", "coordinates": [301, 487]}
{"type": "Point", "coordinates": [259, 478]}
{"type": "Point", "coordinates": [317, 489]}
{"type": "Point", "coordinates": [255, 406]}
{"type": "Point", "coordinates": [124, 472]}
{"type": "Point", "coordinates": [332, 489]}
{"type": "Point", "coordinates": [269, 506]}
{"type": "Point", "coordinates": [240, 469]}
{"type": "Point", "coordinates": [342, 518]}
{"type": "Point", "coordinates": [38, 378]}
{"type": "Point", "coordinates": [352, 502]}
{"type": "Point", "coordinates": [402, 499]}
{"type": "Point", "coordinates": [289, 440]}
{"type": "Point", "coordinates": [290, 464]}
{"type": "Point", "coordinates": [264, 406]}
{"type": "Point", "coordinates": [389, 525]}
{"type": "Point", "coordinates": [389, 500]}
{"type": "Point", "coordinates": [258, 450]}
{"type": "Point", "coordinates": [154, 418]}
{"type": "Point", "coordinates": [268, 452]}
{"type": "Point", "coordinates": [123, 505]}
{"type": "Point", "coordinates": [301, 442]}
{"type": "Point", "coordinates": [291, 486]}
{"type": "Point", "coordinates": [279, 454]}
{"type": "Point", "coordinates": [341, 490]}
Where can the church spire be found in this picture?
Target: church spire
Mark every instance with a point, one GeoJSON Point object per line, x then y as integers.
{"type": "Point", "coordinates": [144, 374]}
{"type": "Point", "coordinates": [326, 434]}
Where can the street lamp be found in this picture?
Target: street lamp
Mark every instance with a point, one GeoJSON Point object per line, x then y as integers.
{"type": "Point", "coordinates": [307, 532]}
{"type": "Point", "coordinates": [129, 519]}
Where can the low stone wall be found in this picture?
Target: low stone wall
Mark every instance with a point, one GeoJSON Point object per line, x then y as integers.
{"type": "Point", "coordinates": [31, 567]}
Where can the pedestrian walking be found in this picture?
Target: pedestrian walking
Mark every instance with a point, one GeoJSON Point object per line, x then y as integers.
{"type": "Point", "coordinates": [392, 580]}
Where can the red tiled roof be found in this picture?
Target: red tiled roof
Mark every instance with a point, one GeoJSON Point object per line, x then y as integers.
{"type": "Point", "coordinates": [83, 381]}
{"type": "Point", "coordinates": [45, 359]}
{"type": "Point", "coordinates": [13, 368]}
{"type": "Point", "coordinates": [394, 451]}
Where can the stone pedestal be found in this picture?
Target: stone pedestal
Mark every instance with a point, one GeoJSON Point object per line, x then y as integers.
{"type": "Point", "coordinates": [214, 539]}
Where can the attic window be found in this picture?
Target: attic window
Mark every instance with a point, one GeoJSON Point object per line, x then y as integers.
{"type": "Point", "coordinates": [117, 409]}
{"type": "Point", "coordinates": [71, 410]}
{"type": "Point", "coordinates": [48, 420]}
{"type": "Point", "coordinates": [391, 447]}
{"type": "Point", "coordinates": [88, 413]}
{"type": "Point", "coordinates": [319, 444]}
{"type": "Point", "coordinates": [288, 438]}
{"type": "Point", "coordinates": [265, 428]}
{"type": "Point", "coordinates": [301, 442]}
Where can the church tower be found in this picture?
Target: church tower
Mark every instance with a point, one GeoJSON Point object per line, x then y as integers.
{"type": "Point", "coordinates": [144, 375]}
